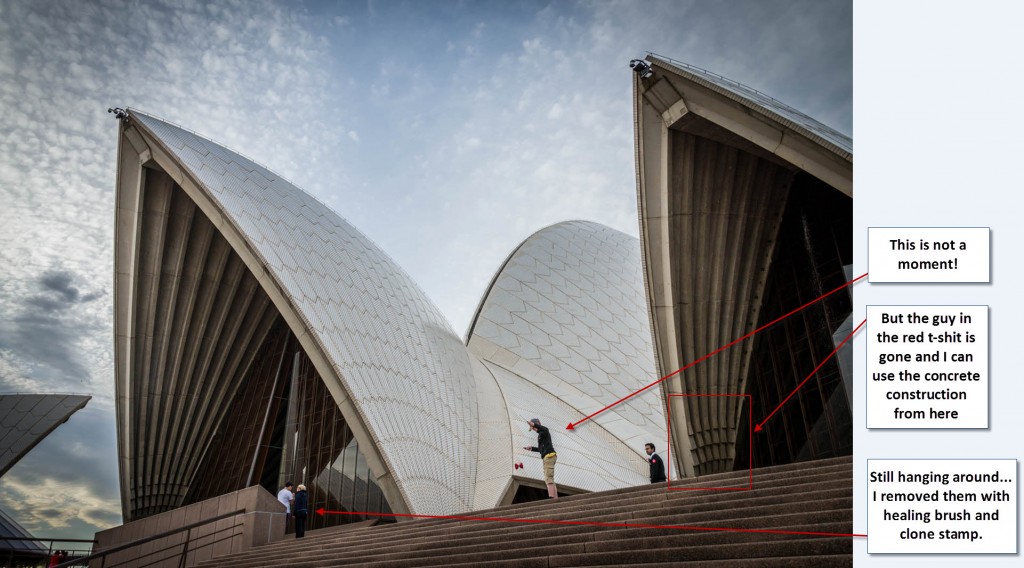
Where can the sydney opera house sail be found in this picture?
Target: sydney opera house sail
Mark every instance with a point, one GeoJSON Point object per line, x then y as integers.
{"type": "Point", "coordinates": [259, 338]}
{"type": "Point", "coordinates": [25, 420]}
{"type": "Point", "coordinates": [28, 418]}
{"type": "Point", "coordinates": [563, 332]}
{"type": "Point", "coordinates": [745, 214]}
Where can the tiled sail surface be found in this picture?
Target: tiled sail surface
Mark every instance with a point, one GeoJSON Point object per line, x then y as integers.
{"type": "Point", "coordinates": [28, 418]}
{"type": "Point", "coordinates": [589, 458]}
{"type": "Point", "coordinates": [407, 373]}
{"type": "Point", "coordinates": [567, 313]}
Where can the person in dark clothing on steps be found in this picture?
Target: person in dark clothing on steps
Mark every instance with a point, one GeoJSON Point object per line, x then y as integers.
{"type": "Point", "coordinates": [657, 466]}
{"type": "Point", "coordinates": [300, 508]}
{"type": "Point", "coordinates": [547, 451]}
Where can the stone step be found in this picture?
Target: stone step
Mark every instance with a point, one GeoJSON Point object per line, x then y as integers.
{"type": "Point", "coordinates": [768, 493]}
{"type": "Point", "coordinates": [715, 505]}
{"type": "Point", "coordinates": [781, 484]}
{"type": "Point", "coordinates": [470, 533]}
{"type": "Point", "coordinates": [820, 561]}
{"type": "Point", "coordinates": [736, 479]}
{"type": "Point", "coordinates": [805, 547]}
{"type": "Point", "coordinates": [592, 542]}
{"type": "Point", "coordinates": [675, 513]}
{"type": "Point", "coordinates": [511, 537]}
{"type": "Point", "coordinates": [565, 556]}
{"type": "Point", "coordinates": [714, 527]}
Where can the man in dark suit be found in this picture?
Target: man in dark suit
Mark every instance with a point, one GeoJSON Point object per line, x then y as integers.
{"type": "Point", "coordinates": [657, 466]}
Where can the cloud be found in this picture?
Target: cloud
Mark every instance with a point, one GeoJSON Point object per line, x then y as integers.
{"type": "Point", "coordinates": [44, 504]}
{"type": "Point", "coordinates": [244, 72]}
{"type": "Point", "coordinates": [247, 72]}
{"type": "Point", "coordinates": [540, 130]}
{"type": "Point", "coordinates": [69, 481]}
{"type": "Point", "coordinates": [62, 283]}
{"type": "Point", "coordinates": [45, 330]}
{"type": "Point", "coordinates": [542, 135]}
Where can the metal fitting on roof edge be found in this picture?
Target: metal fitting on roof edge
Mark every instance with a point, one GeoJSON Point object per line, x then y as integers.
{"type": "Point", "coordinates": [119, 113]}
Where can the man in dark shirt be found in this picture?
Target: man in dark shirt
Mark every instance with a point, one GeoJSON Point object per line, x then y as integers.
{"type": "Point", "coordinates": [547, 452]}
{"type": "Point", "coordinates": [300, 508]}
{"type": "Point", "coordinates": [657, 466]}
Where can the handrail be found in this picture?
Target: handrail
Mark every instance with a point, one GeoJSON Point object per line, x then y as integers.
{"type": "Point", "coordinates": [42, 539]}
{"type": "Point", "coordinates": [39, 541]}
{"type": "Point", "coordinates": [144, 540]}
{"type": "Point", "coordinates": [182, 548]}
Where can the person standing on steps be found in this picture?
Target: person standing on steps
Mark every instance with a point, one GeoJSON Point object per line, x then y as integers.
{"type": "Point", "coordinates": [285, 497]}
{"type": "Point", "coordinates": [301, 510]}
{"type": "Point", "coordinates": [547, 452]}
{"type": "Point", "coordinates": [657, 465]}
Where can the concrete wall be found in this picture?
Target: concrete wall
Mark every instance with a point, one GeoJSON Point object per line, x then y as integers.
{"type": "Point", "coordinates": [263, 521]}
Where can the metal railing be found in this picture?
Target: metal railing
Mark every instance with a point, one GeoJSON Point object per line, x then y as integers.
{"type": "Point", "coordinates": [25, 552]}
{"type": "Point", "coordinates": [182, 554]}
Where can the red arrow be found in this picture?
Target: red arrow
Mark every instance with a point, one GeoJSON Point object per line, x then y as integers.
{"type": "Point", "coordinates": [573, 425]}
{"type": "Point", "coordinates": [825, 360]}
{"type": "Point", "coordinates": [321, 511]}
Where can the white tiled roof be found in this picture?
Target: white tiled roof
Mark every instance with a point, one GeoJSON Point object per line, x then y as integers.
{"type": "Point", "coordinates": [25, 419]}
{"type": "Point", "coordinates": [561, 333]}
{"type": "Point", "coordinates": [406, 371]}
{"type": "Point", "coordinates": [564, 328]}
{"type": "Point", "coordinates": [9, 528]}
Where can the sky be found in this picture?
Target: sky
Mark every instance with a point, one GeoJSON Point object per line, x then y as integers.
{"type": "Point", "coordinates": [448, 132]}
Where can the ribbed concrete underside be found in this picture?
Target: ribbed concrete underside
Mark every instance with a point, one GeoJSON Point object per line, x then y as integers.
{"type": "Point", "coordinates": [805, 497]}
{"type": "Point", "coordinates": [715, 169]}
{"type": "Point", "coordinates": [200, 317]}
{"type": "Point", "coordinates": [724, 211]}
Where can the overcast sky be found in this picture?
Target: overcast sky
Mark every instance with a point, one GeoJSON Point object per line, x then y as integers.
{"type": "Point", "coordinates": [446, 131]}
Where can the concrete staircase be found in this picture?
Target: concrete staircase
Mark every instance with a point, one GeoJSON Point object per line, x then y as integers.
{"type": "Point", "coordinates": [810, 496]}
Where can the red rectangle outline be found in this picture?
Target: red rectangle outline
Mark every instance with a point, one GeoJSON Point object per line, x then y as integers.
{"type": "Point", "coordinates": [750, 460]}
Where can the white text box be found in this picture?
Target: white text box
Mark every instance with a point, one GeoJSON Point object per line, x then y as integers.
{"type": "Point", "coordinates": [928, 254]}
{"type": "Point", "coordinates": [927, 367]}
{"type": "Point", "coordinates": [942, 506]}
